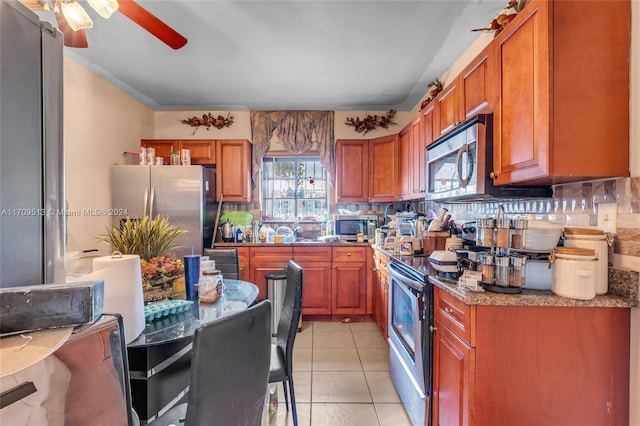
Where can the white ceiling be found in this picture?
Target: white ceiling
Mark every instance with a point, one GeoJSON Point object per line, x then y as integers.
{"type": "Point", "coordinates": [255, 55]}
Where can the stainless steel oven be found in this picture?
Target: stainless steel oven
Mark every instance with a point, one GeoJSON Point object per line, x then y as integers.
{"type": "Point", "coordinates": [410, 340]}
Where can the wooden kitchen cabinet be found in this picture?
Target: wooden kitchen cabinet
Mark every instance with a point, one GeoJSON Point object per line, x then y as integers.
{"type": "Point", "coordinates": [316, 264]}
{"type": "Point", "coordinates": [529, 365]}
{"type": "Point", "coordinates": [233, 171]}
{"type": "Point", "coordinates": [562, 92]}
{"type": "Point", "coordinates": [380, 295]}
{"type": "Point", "coordinates": [352, 170]}
{"type": "Point", "coordinates": [202, 150]}
{"type": "Point", "coordinates": [469, 94]}
{"type": "Point", "coordinates": [349, 281]}
{"type": "Point", "coordinates": [412, 152]}
{"type": "Point", "coordinates": [383, 169]}
{"type": "Point", "coordinates": [267, 260]}
{"type": "Point", "coordinates": [243, 263]}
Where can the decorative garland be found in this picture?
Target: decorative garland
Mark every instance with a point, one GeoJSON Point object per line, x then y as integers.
{"type": "Point", "coordinates": [209, 120]}
{"type": "Point", "coordinates": [505, 16]}
{"type": "Point", "coordinates": [435, 88]}
{"type": "Point", "coordinates": [371, 122]}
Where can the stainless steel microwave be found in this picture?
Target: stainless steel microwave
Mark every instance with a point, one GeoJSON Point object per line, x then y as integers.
{"type": "Point", "coordinates": [346, 227]}
{"type": "Point", "coordinates": [459, 165]}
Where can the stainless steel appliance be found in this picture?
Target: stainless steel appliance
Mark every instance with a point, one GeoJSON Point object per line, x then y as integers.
{"type": "Point", "coordinates": [410, 340]}
{"type": "Point", "coordinates": [347, 226]}
{"type": "Point", "coordinates": [460, 163]}
{"type": "Point", "coordinates": [183, 194]}
{"type": "Point", "coordinates": [32, 219]}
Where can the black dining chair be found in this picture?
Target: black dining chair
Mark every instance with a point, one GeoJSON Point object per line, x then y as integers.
{"type": "Point", "coordinates": [226, 261]}
{"type": "Point", "coordinates": [282, 350]}
{"type": "Point", "coordinates": [229, 371]}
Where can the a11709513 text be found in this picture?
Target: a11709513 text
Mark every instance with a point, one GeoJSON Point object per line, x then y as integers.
{"type": "Point", "coordinates": [63, 212]}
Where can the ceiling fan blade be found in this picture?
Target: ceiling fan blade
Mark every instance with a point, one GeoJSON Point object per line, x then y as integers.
{"type": "Point", "coordinates": [149, 22]}
{"type": "Point", "coordinates": [72, 38]}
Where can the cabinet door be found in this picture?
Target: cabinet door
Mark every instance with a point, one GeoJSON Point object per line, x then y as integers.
{"type": "Point", "coordinates": [316, 297]}
{"type": "Point", "coordinates": [163, 147]}
{"type": "Point", "coordinates": [476, 86]}
{"type": "Point", "coordinates": [233, 170]}
{"type": "Point", "coordinates": [521, 117]}
{"type": "Point", "coordinates": [352, 170]}
{"type": "Point", "coordinates": [257, 275]}
{"type": "Point", "coordinates": [447, 113]}
{"type": "Point", "coordinates": [243, 263]}
{"type": "Point", "coordinates": [202, 151]}
{"type": "Point", "coordinates": [383, 169]}
{"type": "Point", "coordinates": [453, 369]}
{"type": "Point", "coordinates": [405, 148]}
{"type": "Point", "coordinates": [349, 285]}
{"type": "Point", "coordinates": [418, 182]}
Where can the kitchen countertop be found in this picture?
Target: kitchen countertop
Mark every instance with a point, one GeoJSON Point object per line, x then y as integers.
{"type": "Point", "coordinates": [623, 289]}
{"type": "Point", "coordinates": [294, 244]}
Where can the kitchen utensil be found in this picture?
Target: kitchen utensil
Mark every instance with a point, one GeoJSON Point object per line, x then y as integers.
{"type": "Point", "coordinates": [421, 225]}
{"type": "Point", "coordinates": [574, 272]}
{"type": "Point", "coordinates": [191, 275]}
{"type": "Point", "coordinates": [485, 232]}
{"type": "Point", "coordinates": [226, 229]}
{"type": "Point", "coordinates": [597, 240]}
{"type": "Point", "coordinates": [518, 229]}
{"type": "Point", "coordinates": [238, 217]}
{"type": "Point", "coordinates": [215, 226]}
{"type": "Point", "coordinates": [541, 235]}
{"type": "Point", "coordinates": [444, 261]}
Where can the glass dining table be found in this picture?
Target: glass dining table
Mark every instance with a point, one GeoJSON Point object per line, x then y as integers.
{"type": "Point", "coordinates": [160, 358]}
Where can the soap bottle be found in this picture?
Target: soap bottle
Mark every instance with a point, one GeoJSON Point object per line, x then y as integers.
{"type": "Point", "coordinates": [239, 235]}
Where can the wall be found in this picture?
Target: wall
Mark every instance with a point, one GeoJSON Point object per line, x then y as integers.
{"type": "Point", "coordinates": [100, 123]}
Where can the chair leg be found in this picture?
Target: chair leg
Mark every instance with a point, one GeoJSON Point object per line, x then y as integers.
{"type": "Point", "coordinates": [294, 411]}
{"type": "Point", "coordinates": [286, 397]}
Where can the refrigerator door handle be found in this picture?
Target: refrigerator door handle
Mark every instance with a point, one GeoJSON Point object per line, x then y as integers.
{"type": "Point", "coordinates": [146, 199]}
{"type": "Point", "coordinates": [151, 202]}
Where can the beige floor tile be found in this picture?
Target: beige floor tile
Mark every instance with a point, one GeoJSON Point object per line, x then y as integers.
{"type": "Point", "coordinates": [283, 418]}
{"type": "Point", "coordinates": [373, 359]}
{"type": "Point", "coordinates": [302, 384]}
{"type": "Point", "coordinates": [330, 326]}
{"type": "Point", "coordinates": [343, 415]}
{"type": "Point", "coordinates": [369, 340]}
{"type": "Point", "coordinates": [363, 326]}
{"type": "Point", "coordinates": [304, 338]}
{"type": "Point", "coordinates": [392, 415]}
{"type": "Point", "coordinates": [302, 359]}
{"type": "Point", "coordinates": [331, 359]}
{"type": "Point", "coordinates": [381, 387]}
{"type": "Point", "coordinates": [333, 339]}
{"type": "Point", "coordinates": [339, 386]}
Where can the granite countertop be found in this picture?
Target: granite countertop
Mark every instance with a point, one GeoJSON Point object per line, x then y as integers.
{"type": "Point", "coordinates": [623, 289]}
{"type": "Point", "coordinates": [294, 244]}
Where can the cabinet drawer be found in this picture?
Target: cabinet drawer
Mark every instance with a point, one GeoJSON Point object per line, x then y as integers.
{"type": "Point", "coordinates": [349, 254]}
{"type": "Point", "coordinates": [270, 254]}
{"type": "Point", "coordinates": [456, 315]}
{"type": "Point", "coordinates": [312, 254]}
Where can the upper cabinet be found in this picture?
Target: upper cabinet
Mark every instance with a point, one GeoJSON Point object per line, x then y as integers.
{"type": "Point", "coordinates": [466, 96]}
{"type": "Point", "coordinates": [202, 151]}
{"type": "Point", "coordinates": [561, 110]}
{"type": "Point", "coordinates": [367, 170]}
{"type": "Point", "coordinates": [411, 149]}
{"type": "Point", "coordinates": [233, 171]}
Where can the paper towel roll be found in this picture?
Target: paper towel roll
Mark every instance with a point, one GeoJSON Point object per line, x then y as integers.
{"type": "Point", "coordinates": [122, 290]}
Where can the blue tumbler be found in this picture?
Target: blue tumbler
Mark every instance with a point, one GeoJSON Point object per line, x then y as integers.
{"type": "Point", "coordinates": [191, 275]}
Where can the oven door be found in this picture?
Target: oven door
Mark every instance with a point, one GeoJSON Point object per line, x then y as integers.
{"type": "Point", "coordinates": [406, 323]}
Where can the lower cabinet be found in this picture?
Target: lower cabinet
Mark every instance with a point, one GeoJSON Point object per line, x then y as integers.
{"type": "Point", "coordinates": [316, 265]}
{"type": "Point", "coordinates": [529, 365]}
{"type": "Point", "coordinates": [267, 260]}
{"type": "Point", "coordinates": [349, 281]}
{"type": "Point", "coordinates": [243, 263]}
{"type": "Point", "coordinates": [380, 292]}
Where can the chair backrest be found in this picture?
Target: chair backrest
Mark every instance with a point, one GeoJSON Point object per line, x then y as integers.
{"type": "Point", "coordinates": [226, 261]}
{"type": "Point", "coordinates": [230, 368]}
{"type": "Point", "coordinates": [290, 314]}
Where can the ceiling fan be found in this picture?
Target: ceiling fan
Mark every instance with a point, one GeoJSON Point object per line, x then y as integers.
{"type": "Point", "coordinates": [129, 8]}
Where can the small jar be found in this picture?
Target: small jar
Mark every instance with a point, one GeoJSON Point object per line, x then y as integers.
{"type": "Point", "coordinates": [503, 232]}
{"type": "Point", "coordinates": [517, 274]}
{"type": "Point", "coordinates": [485, 232]}
{"type": "Point", "coordinates": [502, 271]}
{"type": "Point", "coordinates": [518, 229]}
{"type": "Point", "coordinates": [210, 287]}
{"type": "Point", "coordinates": [487, 268]}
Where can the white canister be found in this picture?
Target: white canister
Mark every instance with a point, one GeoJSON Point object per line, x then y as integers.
{"type": "Point", "coordinates": [573, 272]}
{"type": "Point", "coordinates": [597, 240]}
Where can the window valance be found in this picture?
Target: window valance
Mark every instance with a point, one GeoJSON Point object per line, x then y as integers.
{"type": "Point", "coordinates": [298, 131]}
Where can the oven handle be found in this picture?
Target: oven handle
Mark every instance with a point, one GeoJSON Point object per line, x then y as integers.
{"type": "Point", "coordinates": [464, 149]}
{"type": "Point", "coordinates": [406, 279]}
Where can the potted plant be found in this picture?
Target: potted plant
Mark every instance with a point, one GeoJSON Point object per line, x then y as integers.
{"type": "Point", "coordinates": [152, 240]}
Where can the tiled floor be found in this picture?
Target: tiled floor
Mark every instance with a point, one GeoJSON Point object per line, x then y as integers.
{"type": "Point", "coordinates": [341, 378]}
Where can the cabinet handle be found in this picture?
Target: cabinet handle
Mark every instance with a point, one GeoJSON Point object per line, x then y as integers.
{"type": "Point", "coordinates": [349, 254]}
{"type": "Point", "coordinates": [374, 269]}
{"type": "Point", "coordinates": [448, 311]}
{"type": "Point", "coordinates": [333, 267]}
{"type": "Point", "coordinates": [432, 328]}
{"type": "Point", "coordinates": [493, 175]}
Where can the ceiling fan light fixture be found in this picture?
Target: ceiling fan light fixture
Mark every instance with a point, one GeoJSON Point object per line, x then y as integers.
{"type": "Point", "coordinates": [76, 16]}
{"type": "Point", "coordinates": [104, 8]}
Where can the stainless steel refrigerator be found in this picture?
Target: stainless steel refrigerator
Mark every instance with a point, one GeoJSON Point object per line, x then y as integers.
{"type": "Point", "coordinates": [185, 195]}
{"type": "Point", "coordinates": [32, 220]}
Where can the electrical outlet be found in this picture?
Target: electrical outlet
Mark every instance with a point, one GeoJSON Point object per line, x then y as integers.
{"type": "Point", "coordinates": [607, 217]}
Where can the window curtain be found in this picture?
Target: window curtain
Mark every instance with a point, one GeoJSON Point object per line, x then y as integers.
{"type": "Point", "coordinates": [296, 130]}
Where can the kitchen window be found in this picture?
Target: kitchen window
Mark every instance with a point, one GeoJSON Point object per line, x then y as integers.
{"type": "Point", "coordinates": [293, 188]}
